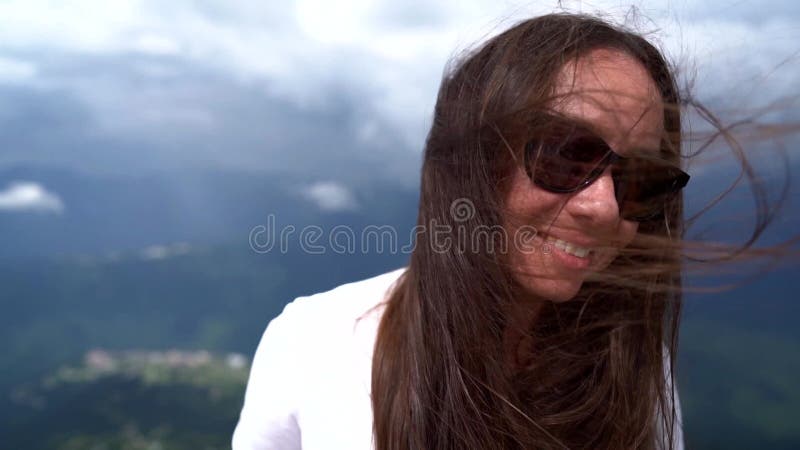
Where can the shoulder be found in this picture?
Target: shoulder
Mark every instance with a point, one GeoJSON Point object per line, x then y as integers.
{"type": "Point", "coordinates": [665, 419]}
{"type": "Point", "coordinates": [342, 305]}
{"type": "Point", "coordinates": [300, 356]}
{"type": "Point", "coordinates": [318, 328]}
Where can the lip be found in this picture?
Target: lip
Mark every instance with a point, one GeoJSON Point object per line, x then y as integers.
{"type": "Point", "coordinates": [571, 261]}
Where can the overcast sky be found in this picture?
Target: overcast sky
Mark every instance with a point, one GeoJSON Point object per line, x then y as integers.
{"type": "Point", "coordinates": [329, 89]}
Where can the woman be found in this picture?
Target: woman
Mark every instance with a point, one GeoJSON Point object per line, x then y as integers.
{"type": "Point", "coordinates": [548, 317]}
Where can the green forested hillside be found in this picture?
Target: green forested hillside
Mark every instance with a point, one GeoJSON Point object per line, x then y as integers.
{"type": "Point", "coordinates": [131, 400]}
{"type": "Point", "coordinates": [737, 368]}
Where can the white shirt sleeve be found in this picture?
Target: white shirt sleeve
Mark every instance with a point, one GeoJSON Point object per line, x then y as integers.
{"type": "Point", "coordinates": [677, 437]}
{"type": "Point", "coordinates": [268, 420]}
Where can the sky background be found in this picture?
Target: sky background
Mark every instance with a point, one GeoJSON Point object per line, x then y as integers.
{"type": "Point", "coordinates": [142, 142]}
{"type": "Point", "coordinates": [339, 94]}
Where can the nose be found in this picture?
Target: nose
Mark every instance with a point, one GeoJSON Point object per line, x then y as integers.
{"type": "Point", "coordinates": [596, 205]}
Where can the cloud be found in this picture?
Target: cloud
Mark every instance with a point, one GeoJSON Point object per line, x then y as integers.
{"type": "Point", "coordinates": [342, 87]}
{"type": "Point", "coordinates": [331, 196]}
{"type": "Point", "coordinates": [158, 252]}
{"type": "Point", "coordinates": [13, 70]}
{"type": "Point", "coordinates": [156, 44]}
{"type": "Point", "coordinates": [29, 196]}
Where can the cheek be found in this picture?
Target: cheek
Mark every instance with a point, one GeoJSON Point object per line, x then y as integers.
{"type": "Point", "coordinates": [626, 232]}
{"type": "Point", "coordinates": [526, 204]}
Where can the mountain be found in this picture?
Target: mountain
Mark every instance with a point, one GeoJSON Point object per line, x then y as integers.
{"type": "Point", "coordinates": [171, 262]}
{"type": "Point", "coordinates": [132, 400]}
{"type": "Point", "coordinates": [104, 214]}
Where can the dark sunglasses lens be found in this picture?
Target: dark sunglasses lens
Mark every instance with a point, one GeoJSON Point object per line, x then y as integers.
{"type": "Point", "coordinates": [643, 187]}
{"type": "Point", "coordinates": [570, 157]}
{"type": "Point", "coordinates": [562, 162]}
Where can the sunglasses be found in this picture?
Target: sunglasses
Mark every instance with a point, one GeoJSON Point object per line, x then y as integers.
{"type": "Point", "coordinates": [569, 157]}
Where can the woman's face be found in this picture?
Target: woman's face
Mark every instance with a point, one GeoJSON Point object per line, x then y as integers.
{"type": "Point", "coordinates": [614, 93]}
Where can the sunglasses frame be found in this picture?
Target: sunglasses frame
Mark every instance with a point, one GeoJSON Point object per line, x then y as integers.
{"type": "Point", "coordinates": [674, 184]}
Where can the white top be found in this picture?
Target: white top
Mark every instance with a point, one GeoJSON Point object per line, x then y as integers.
{"type": "Point", "coordinates": [310, 380]}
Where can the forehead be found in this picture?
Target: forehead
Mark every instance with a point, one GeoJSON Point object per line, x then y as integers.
{"type": "Point", "coordinates": [614, 93]}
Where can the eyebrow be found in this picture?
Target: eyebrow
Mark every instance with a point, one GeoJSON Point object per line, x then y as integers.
{"type": "Point", "coordinates": [583, 123]}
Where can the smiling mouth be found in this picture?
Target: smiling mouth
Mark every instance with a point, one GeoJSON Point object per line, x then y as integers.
{"type": "Point", "coordinates": [568, 247]}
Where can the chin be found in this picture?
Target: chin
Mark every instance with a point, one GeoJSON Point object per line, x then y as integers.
{"type": "Point", "coordinates": [557, 291]}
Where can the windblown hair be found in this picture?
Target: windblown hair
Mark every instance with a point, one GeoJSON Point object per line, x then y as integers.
{"type": "Point", "coordinates": [599, 372]}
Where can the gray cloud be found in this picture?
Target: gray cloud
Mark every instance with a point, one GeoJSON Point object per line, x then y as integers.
{"type": "Point", "coordinates": [304, 88]}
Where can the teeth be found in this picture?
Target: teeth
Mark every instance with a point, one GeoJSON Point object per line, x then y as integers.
{"type": "Point", "coordinates": [581, 252]}
{"type": "Point", "coordinates": [572, 249]}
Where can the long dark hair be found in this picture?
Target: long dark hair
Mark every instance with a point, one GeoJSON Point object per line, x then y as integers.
{"type": "Point", "coordinates": [600, 366]}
